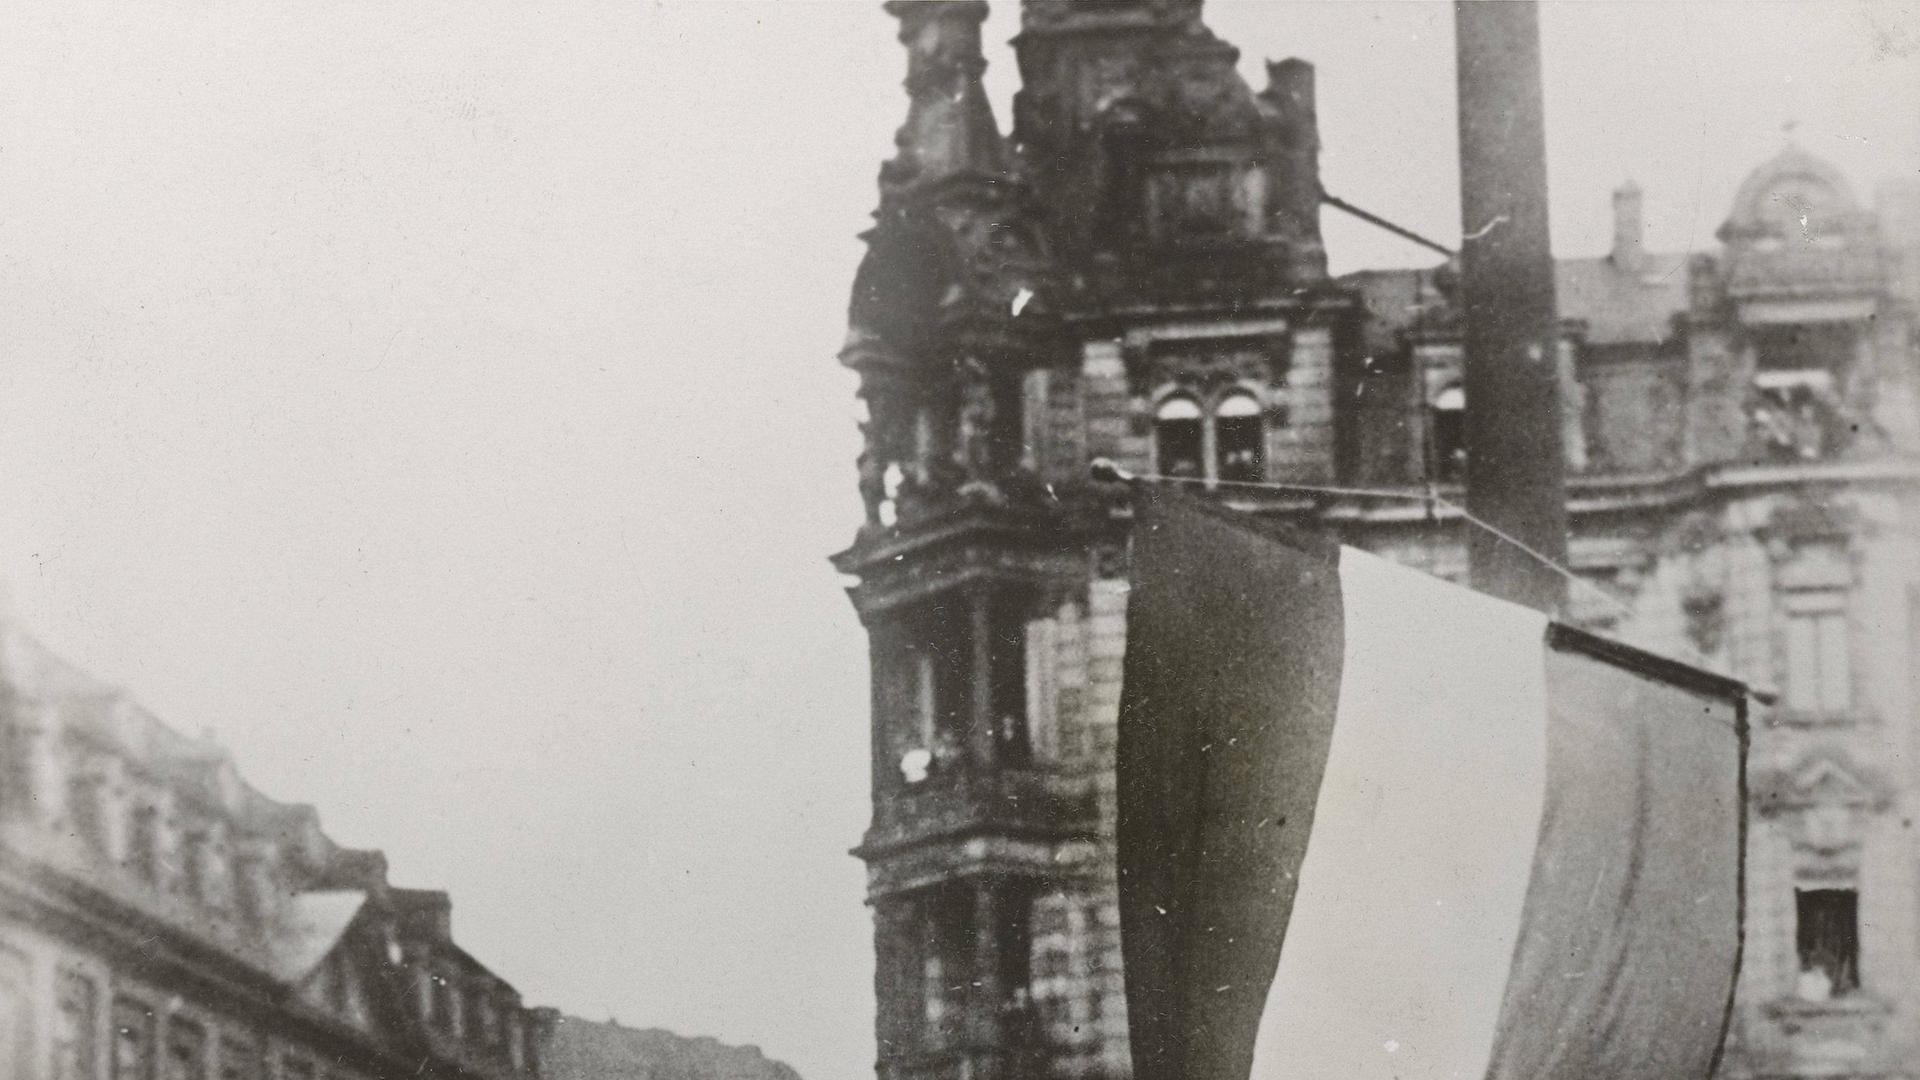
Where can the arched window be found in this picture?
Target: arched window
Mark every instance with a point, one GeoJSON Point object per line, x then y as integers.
{"type": "Point", "coordinates": [1177, 439]}
{"type": "Point", "coordinates": [1239, 438]}
{"type": "Point", "coordinates": [1447, 435]}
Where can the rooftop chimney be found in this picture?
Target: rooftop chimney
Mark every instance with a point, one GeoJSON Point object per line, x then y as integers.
{"type": "Point", "coordinates": [1629, 228]}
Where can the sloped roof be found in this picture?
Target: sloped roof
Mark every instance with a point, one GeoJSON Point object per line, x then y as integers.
{"type": "Point", "coordinates": [1618, 306]}
{"type": "Point", "coordinates": [576, 1049]}
{"type": "Point", "coordinates": [315, 922]}
{"type": "Point", "coordinates": [1621, 305]}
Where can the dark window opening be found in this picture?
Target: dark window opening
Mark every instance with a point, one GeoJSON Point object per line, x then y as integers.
{"type": "Point", "coordinates": [1240, 436]}
{"type": "Point", "coordinates": [186, 1057]}
{"type": "Point", "coordinates": [1798, 416]}
{"type": "Point", "coordinates": [1008, 657]}
{"type": "Point", "coordinates": [937, 686]}
{"type": "Point", "coordinates": [947, 968]}
{"type": "Point", "coordinates": [1828, 940]}
{"type": "Point", "coordinates": [132, 1041]}
{"type": "Point", "coordinates": [945, 653]}
{"type": "Point", "coordinates": [1016, 957]}
{"type": "Point", "coordinates": [1447, 436]}
{"type": "Point", "coordinates": [1177, 439]}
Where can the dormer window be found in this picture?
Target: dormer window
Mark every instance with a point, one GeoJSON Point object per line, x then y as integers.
{"type": "Point", "coordinates": [1240, 436]}
{"type": "Point", "coordinates": [1177, 438]}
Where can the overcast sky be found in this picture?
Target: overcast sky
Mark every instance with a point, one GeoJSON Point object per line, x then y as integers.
{"type": "Point", "coordinates": [437, 400]}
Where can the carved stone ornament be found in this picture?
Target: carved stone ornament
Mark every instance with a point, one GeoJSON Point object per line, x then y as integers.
{"type": "Point", "coordinates": [1704, 608]}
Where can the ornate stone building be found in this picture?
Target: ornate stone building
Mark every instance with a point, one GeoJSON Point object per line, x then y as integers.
{"type": "Point", "coordinates": [162, 920]}
{"type": "Point", "coordinates": [1136, 272]}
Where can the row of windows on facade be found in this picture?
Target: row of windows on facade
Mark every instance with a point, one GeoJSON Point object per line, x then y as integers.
{"type": "Point", "coordinates": [942, 670]}
{"type": "Point", "coordinates": [942, 673]}
{"type": "Point", "coordinates": [951, 982]}
{"type": "Point", "coordinates": [1796, 413]}
{"type": "Point", "coordinates": [1228, 444]}
{"type": "Point", "coordinates": [192, 861]}
{"type": "Point", "coordinates": [1827, 946]}
{"type": "Point", "coordinates": [474, 1015]}
{"type": "Point", "coordinates": [143, 1044]}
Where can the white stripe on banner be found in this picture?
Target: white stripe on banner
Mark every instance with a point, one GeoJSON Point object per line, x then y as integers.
{"type": "Point", "coordinates": [1397, 955]}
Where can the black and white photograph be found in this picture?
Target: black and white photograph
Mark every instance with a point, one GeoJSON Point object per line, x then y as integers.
{"type": "Point", "coordinates": [959, 540]}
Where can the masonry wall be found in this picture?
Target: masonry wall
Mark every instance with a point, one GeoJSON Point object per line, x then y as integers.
{"type": "Point", "coordinates": [1709, 578]}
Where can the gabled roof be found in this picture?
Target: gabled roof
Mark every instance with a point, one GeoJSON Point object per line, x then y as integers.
{"type": "Point", "coordinates": [313, 926]}
{"type": "Point", "coordinates": [1622, 305]}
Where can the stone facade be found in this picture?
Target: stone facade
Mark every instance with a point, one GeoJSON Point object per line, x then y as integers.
{"type": "Point", "coordinates": [1136, 273]}
{"type": "Point", "coordinates": [162, 920]}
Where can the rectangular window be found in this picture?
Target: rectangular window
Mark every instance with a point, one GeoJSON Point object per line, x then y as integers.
{"type": "Point", "coordinates": [1819, 662]}
{"type": "Point", "coordinates": [132, 1040]}
{"type": "Point", "coordinates": [242, 1057]}
{"type": "Point", "coordinates": [186, 1056]}
{"type": "Point", "coordinates": [1016, 950]}
{"type": "Point", "coordinates": [1008, 660]}
{"type": "Point", "coordinates": [1828, 939]}
{"type": "Point", "coordinates": [74, 1019]}
{"type": "Point", "coordinates": [1447, 437]}
{"type": "Point", "coordinates": [947, 963]}
{"type": "Point", "coordinates": [944, 664]}
{"type": "Point", "coordinates": [83, 807]}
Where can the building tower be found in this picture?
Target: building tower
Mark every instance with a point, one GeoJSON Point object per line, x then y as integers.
{"type": "Point", "coordinates": [1137, 274]}
{"type": "Point", "coordinates": [1142, 256]}
{"type": "Point", "coordinates": [951, 318]}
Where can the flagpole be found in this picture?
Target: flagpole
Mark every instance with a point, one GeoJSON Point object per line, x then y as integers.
{"type": "Point", "coordinates": [1515, 469]}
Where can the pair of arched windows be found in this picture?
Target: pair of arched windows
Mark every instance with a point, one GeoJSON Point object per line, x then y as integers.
{"type": "Point", "coordinates": [1226, 444]}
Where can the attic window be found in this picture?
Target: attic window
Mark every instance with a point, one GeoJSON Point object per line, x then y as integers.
{"type": "Point", "coordinates": [1827, 937]}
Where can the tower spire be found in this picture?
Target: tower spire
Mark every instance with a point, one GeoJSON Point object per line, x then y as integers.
{"type": "Point", "coordinates": [950, 129]}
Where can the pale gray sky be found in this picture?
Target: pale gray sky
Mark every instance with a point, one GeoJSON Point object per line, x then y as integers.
{"type": "Point", "coordinates": [437, 400]}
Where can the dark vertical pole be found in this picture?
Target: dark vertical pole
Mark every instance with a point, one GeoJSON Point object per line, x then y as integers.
{"type": "Point", "coordinates": [1515, 473]}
